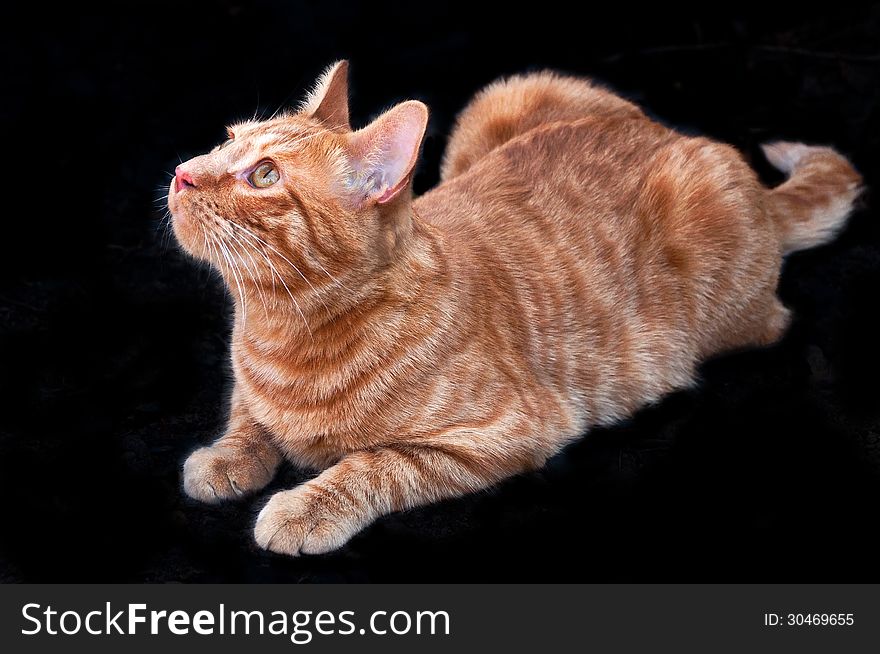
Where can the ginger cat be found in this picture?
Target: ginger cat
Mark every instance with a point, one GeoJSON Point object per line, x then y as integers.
{"type": "Point", "coordinates": [577, 262]}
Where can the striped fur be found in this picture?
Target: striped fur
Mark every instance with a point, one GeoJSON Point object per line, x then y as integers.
{"type": "Point", "coordinates": [577, 262]}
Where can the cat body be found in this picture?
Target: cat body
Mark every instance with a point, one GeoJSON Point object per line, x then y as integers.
{"type": "Point", "coordinates": [577, 262]}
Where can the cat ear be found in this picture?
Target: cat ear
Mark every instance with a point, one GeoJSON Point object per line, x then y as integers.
{"type": "Point", "coordinates": [328, 102]}
{"type": "Point", "coordinates": [384, 153]}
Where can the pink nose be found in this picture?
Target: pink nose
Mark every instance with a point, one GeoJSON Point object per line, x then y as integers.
{"type": "Point", "coordinates": [182, 179]}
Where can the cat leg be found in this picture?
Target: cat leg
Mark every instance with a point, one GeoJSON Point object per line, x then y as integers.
{"type": "Point", "coordinates": [242, 461]}
{"type": "Point", "coordinates": [766, 321]}
{"type": "Point", "coordinates": [776, 324]}
{"type": "Point", "coordinates": [324, 513]}
{"type": "Point", "coordinates": [763, 323]}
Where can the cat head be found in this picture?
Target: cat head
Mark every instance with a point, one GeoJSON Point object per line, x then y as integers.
{"type": "Point", "coordinates": [301, 193]}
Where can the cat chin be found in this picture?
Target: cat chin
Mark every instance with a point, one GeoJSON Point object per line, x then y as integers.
{"type": "Point", "coordinates": [188, 235]}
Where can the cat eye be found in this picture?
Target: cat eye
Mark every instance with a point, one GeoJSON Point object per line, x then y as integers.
{"type": "Point", "coordinates": [264, 175]}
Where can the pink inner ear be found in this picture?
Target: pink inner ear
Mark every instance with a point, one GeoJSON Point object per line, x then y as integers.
{"type": "Point", "coordinates": [399, 151]}
{"type": "Point", "coordinates": [393, 191]}
{"type": "Point", "coordinates": [388, 148]}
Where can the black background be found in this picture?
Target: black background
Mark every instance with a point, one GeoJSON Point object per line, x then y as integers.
{"type": "Point", "coordinates": [113, 345]}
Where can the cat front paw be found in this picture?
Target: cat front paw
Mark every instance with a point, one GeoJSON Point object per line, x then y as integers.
{"type": "Point", "coordinates": [304, 521]}
{"type": "Point", "coordinates": [217, 473]}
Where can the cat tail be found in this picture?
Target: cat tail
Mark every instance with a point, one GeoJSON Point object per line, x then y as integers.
{"type": "Point", "coordinates": [813, 204]}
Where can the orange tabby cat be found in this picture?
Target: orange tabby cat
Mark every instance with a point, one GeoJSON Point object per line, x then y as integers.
{"type": "Point", "coordinates": [577, 262]}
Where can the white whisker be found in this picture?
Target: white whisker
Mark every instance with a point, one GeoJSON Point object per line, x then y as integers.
{"type": "Point", "coordinates": [275, 273]}
{"type": "Point", "coordinates": [332, 278]}
{"type": "Point", "coordinates": [290, 263]}
{"type": "Point", "coordinates": [239, 282]}
{"type": "Point", "coordinates": [214, 252]}
{"type": "Point", "coordinates": [253, 273]}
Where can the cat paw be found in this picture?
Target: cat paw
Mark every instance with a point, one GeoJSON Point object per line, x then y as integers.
{"type": "Point", "coordinates": [302, 521]}
{"type": "Point", "coordinates": [217, 473]}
